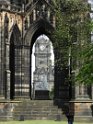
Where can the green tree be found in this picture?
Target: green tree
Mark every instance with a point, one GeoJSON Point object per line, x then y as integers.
{"type": "Point", "coordinates": [85, 75]}
{"type": "Point", "coordinates": [72, 26]}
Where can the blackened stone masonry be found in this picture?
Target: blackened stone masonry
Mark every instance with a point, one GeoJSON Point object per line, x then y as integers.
{"type": "Point", "coordinates": [22, 22]}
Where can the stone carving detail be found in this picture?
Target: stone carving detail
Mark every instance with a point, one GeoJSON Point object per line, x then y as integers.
{"type": "Point", "coordinates": [43, 76]}
{"type": "Point", "coordinates": [42, 84]}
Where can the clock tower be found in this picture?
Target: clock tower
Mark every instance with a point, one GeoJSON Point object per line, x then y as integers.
{"type": "Point", "coordinates": [43, 74]}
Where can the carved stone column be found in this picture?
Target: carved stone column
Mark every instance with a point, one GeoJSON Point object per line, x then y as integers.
{"type": "Point", "coordinates": [76, 91]}
{"type": "Point", "coordinates": [81, 92]}
{"type": "Point", "coordinates": [34, 15]}
{"type": "Point", "coordinates": [7, 51]}
{"type": "Point", "coordinates": [1, 58]}
{"type": "Point", "coordinates": [8, 84]}
{"type": "Point", "coordinates": [7, 72]}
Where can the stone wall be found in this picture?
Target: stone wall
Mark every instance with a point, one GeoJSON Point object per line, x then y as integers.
{"type": "Point", "coordinates": [6, 110]}
{"type": "Point", "coordinates": [82, 110]}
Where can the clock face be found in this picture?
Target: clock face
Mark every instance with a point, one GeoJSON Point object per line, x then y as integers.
{"type": "Point", "coordinates": [42, 47]}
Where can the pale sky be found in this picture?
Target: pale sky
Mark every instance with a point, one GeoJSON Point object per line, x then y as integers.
{"type": "Point", "coordinates": [91, 2]}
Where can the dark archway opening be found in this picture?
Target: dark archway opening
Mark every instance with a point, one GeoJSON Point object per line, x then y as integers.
{"type": "Point", "coordinates": [15, 62]}
{"type": "Point", "coordinates": [12, 67]}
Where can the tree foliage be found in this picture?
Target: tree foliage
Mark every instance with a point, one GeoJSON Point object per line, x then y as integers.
{"type": "Point", "coordinates": [71, 31]}
{"type": "Point", "coordinates": [85, 75]}
{"type": "Point", "coordinates": [69, 15]}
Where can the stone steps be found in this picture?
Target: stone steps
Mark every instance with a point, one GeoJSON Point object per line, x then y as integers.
{"type": "Point", "coordinates": [37, 109]}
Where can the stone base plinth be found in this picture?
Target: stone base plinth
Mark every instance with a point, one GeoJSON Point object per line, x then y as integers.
{"type": "Point", "coordinates": [82, 110]}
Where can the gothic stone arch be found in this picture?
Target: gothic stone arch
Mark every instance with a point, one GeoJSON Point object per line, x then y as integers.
{"type": "Point", "coordinates": [38, 28]}
{"type": "Point", "coordinates": [15, 62]}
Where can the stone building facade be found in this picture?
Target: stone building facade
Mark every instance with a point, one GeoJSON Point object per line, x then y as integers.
{"type": "Point", "coordinates": [21, 23]}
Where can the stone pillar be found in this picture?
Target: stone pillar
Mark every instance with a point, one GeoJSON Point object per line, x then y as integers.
{"type": "Point", "coordinates": [1, 59]}
{"type": "Point", "coordinates": [7, 72]}
{"type": "Point", "coordinates": [76, 91]}
{"type": "Point", "coordinates": [8, 84]}
{"type": "Point", "coordinates": [81, 92]}
{"type": "Point", "coordinates": [34, 15]}
{"type": "Point", "coordinates": [28, 21]}
{"type": "Point", "coordinates": [25, 88]}
{"type": "Point", "coordinates": [7, 51]}
{"type": "Point", "coordinates": [7, 55]}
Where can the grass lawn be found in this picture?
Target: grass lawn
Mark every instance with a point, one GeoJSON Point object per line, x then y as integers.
{"type": "Point", "coordinates": [40, 122]}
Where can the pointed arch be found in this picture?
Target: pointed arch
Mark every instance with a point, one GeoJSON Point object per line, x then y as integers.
{"type": "Point", "coordinates": [15, 61]}
{"type": "Point", "coordinates": [16, 35]}
{"type": "Point", "coordinates": [39, 27]}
